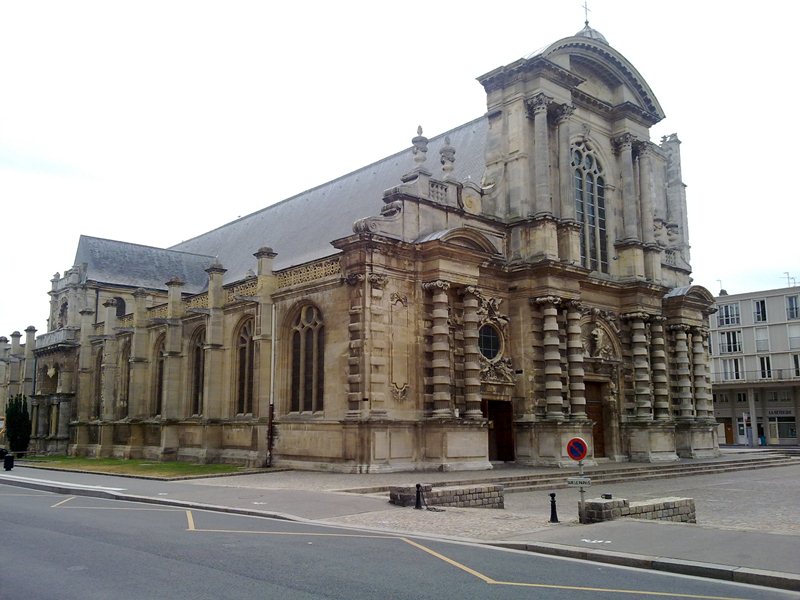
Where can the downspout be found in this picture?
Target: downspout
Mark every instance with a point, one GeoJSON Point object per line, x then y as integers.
{"type": "Point", "coordinates": [271, 414]}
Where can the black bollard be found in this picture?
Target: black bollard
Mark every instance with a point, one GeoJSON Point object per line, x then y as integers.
{"type": "Point", "coordinates": [418, 503]}
{"type": "Point", "coordinates": [553, 514]}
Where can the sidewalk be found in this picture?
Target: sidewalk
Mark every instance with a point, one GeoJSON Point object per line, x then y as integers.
{"type": "Point", "coordinates": [759, 555]}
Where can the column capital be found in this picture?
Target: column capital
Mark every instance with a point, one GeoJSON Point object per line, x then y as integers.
{"type": "Point", "coordinates": [377, 280]}
{"type": "Point", "coordinates": [545, 300]}
{"type": "Point", "coordinates": [563, 113]}
{"type": "Point", "coordinates": [679, 327]}
{"type": "Point", "coordinates": [623, 142]}
{"type": "Point", "coordinates": [538, 103]}
{"type": "Point", "coordinates": [354, 278]}
{"type": "Point", "coordinates": [439, 284]}
{"type": "Point", "coordinates": [573, 305]}
{"type": "Point", "coordinates": [635, 316]}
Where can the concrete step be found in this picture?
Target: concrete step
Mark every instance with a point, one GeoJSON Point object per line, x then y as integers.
{"type": "Point", "coordinates": [556, 478]}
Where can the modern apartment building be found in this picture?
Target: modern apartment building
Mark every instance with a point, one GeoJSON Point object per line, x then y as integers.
{"type": "Point", "coordinates": [755, 349]}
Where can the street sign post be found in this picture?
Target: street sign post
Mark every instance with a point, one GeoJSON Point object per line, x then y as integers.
{"type": "Point", "coordinates": [577, 449]}
{"type": "Point", "coordinates": [579, 482]}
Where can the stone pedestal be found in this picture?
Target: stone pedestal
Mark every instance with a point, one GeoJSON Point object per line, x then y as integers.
{"type": "Point", "coordinates": [696, 440]}
{"type": "Point", "coordinates": [545, 442]}
{"type": "Point", "coordinates": [650, 441]}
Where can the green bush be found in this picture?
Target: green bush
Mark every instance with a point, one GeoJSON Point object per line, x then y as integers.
{"type": "Point", "coordinates": [18, 424]}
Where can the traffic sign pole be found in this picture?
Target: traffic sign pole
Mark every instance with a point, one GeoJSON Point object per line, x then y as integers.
{"type": "Point", "coordinates": [582, 511]}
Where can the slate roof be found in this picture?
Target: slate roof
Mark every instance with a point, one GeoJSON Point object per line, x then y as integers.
{"type": "Point", "coordinates": [122, 263]}
{"type": "Point", "coordinates": [301, 228]}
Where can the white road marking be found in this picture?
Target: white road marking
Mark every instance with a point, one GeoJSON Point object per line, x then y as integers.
{"type": "Point", "coordinates": [61, 483]}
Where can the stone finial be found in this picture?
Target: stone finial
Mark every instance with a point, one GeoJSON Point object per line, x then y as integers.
{"type": "Point", "coordinates": [447, 156]}
{"type": "Point", "coordinates": [420, 149]}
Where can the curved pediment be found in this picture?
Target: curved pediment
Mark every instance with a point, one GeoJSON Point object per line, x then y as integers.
{"type": "Point", "coordinates": [599, 65]}
{"type": "Point", "coordinates": [461, 236]}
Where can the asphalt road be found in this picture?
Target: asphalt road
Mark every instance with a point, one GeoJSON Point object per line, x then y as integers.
{"type": "Point", "coordinates": [64, 547]}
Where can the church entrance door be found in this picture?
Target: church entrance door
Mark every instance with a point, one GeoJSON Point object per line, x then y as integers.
{"type": "Point", "coordinates": [594, 410]}
{"type": "Point", "coordinates": [500, 414]}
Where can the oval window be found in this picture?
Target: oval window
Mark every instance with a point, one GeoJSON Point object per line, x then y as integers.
{"type": "Point", "coordinates": [489, 341]}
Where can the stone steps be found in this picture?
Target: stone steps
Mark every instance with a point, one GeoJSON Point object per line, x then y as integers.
{"type": "Point", "coordinates": [557, 482]}
{"type": "Point", "coordinates": [556, 478]}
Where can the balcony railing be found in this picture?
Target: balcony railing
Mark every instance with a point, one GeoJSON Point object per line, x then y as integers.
{"type": "Point", "coordinates": [59, 336]}
{"type": "Point", "coordinates": [757, 376]}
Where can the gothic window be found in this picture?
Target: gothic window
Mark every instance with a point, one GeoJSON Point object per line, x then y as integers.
{"type": "Point", "coordinates": [97, 407]}
{"type": "Point", "coordinates": [245, 360]}
{"type": "Point", "coordinates": [120, 306]}
{"type": "Point", "coordinates": [197, 353]}
{"type": "Point", "coordinates": [590, 207]}
{"type": "Point", "coordinates": [124, 378]}
{"type": "Point", "coordinates": [308, 361]}
{"type": "Point", "coordinates": [158, 374]}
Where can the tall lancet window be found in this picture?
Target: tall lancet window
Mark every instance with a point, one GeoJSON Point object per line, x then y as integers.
{"type": "Point", "coordinates": [590, 207]}
{"type": "Point", "coordinates": [245, 362]}
{"type": "Point", "coordinates": [308, 361]}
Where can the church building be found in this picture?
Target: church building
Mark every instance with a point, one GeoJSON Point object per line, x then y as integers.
{"type": "Point", "coordinates": [481, 297]}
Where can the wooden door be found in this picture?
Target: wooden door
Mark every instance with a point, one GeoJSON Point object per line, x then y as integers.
{"type": "Point", "coordinates": [594, 410]}
{"type": "Point", "coordinates": [728, 431]}
{"type": "Point", "coordinates": [501, 430]}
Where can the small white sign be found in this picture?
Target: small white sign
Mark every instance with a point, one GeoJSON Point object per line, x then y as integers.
{"type": "Point", "coordinates": [579, 481]}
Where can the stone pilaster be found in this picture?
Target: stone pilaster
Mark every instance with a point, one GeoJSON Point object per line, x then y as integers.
{"type": "Point", "coordinates": [442, 380]}
{"type": "Point", "coordinates": [543, 204]}
{"type": "Point", "coordinates": [173, 399]}
{"type": "Point", "coordinates": [658, 362]}
{"type": "Point", "coordinates": [137, 399]}
{"type": "Point", "coordinates": [378, 355]}
{"type": "Point", "coordinates": [213, 384]}
{"type": "Point", "coordinates": [702, 392]}
{"type": "Point", "coordinates": [264, 340]}
{"type": "Point", "coordinates": [355, 367]}
{"type": "Point", "coordinates": [684, 387]}
{"type": "Point", "coordinates": [109, 377]}
{"type": "Point", "coordinates": [624, 147]}
{"type": "Point", "coordinates": [28, 377]}
{"type": "Point", "coordinates": [472, 364]}
{"type": "Point", "coordinates": [552, 358]}
{"type": "Point", "coordinates": [85, 366]}
{"type": "Point", "coordinates": [641, 366]}
{"type": "Point", "coordinates": [577, 389]}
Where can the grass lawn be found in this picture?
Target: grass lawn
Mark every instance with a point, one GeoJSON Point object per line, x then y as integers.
{"type": "Point", "coordinates": [140, 468]}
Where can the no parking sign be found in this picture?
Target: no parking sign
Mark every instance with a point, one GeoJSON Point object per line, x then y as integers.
{"type": "Point", "coordinates": [577, 448]}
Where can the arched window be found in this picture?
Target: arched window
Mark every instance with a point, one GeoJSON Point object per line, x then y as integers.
{"type": "Point", "coordinates": [124, 378]}
{"type": "Point", "coordinates": [120, 306]}
{"type": "Point", "coordinates": [590, 207]}
{"type": "Point", "coordinates": [245, 359]}
{"type": "Point", "coordinates": [197, 363]}
{"type": "Point", "coordinates": [158, 377]}
{"type": "Point", "coordinates": [308, 361]}
{"type": "Point", "coordinates": [97, 408]}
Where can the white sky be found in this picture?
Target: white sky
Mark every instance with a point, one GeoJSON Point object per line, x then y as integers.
{"type": "Point", "coordinates": [154, 121]}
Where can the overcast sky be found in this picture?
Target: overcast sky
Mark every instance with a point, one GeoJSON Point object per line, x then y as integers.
{"type": "Point", "coordinates": [152, 122]}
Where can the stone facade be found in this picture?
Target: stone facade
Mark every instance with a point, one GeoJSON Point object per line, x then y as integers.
{"type": "Point", "coordinates": [535, 288]}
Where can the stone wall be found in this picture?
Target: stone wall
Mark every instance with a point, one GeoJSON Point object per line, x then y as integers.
{"type": "Point", "coordinates": [662, 509]}
{"type": "Point", "coordinates": [472, 496]}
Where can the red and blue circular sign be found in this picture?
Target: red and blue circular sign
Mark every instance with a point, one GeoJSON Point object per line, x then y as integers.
{"type": "Point", "coordinates": [577, 448]}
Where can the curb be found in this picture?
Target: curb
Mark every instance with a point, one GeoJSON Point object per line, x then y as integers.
{"type": "Point", "coordinates": [771, 579]}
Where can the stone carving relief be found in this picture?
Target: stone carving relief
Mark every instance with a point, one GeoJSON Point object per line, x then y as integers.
{"type": "Point", "coordinates": [599, 330]}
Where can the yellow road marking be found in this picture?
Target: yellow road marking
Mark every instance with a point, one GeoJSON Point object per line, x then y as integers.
{"type": "Point", "coordinates": [452, 562]}
{"type": "Point", "coordinates": [64, 501]}
{"type": "Point", "coordinates": [190, 518]}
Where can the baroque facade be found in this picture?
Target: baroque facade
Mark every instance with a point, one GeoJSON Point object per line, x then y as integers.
{"type": "Point", "coordinates": [485, 296]}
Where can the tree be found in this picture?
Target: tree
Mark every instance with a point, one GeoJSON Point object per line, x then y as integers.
{"type": "Point", "coordinates": [18, 424]}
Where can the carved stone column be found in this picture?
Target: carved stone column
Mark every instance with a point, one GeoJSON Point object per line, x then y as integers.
{"type": "Point", "coordinates": [646, 191]}
{"type": "Point", "coordinates": [440, 331]}
{"type": "Point", "coordinates": [552, 358]}
{"type": "Point", "coordinates": [658, 367]}
{"type": "Point", "coordinates": [567, 199]}
{"type": "Point", "coordinates": [109, 361]}
{"type": "Point", "coordinates": [624, 145]}
{"type": "Point", "coordinates": [472, 360]}
{"type": "Point", "coordinates": [355, 367]}
{"type": "Point", "coordinates": [577, 389]}
{"type": "Point", "coordinates": [702, 394]}
{"type": "Point", "coordinates": [686, 410]}
{"type": "Point", "coordinates": [541, 155]}
{"type": "Point", "coordinates": [641, 365]}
